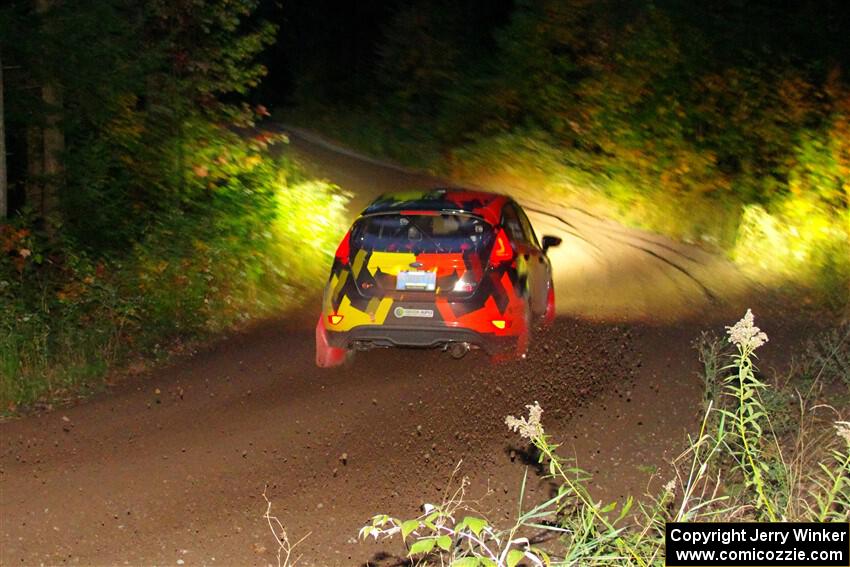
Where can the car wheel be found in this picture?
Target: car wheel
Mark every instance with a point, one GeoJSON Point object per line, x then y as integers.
{"type": "Point", "coordinates": [327, 356]}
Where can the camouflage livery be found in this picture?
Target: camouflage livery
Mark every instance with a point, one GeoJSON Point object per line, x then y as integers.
{"type": "Point", "coordinates": [476, 300]}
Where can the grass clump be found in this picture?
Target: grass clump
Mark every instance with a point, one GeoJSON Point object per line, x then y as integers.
{"type": "Point", "coordinates": [738, 467]}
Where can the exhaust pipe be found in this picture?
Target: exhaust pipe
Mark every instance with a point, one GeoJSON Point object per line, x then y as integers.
{"type": "Point", "coordinates": [458, 350]}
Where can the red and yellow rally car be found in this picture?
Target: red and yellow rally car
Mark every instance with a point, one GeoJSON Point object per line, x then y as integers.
{"type": "Point", "coordinates": [445, 268]}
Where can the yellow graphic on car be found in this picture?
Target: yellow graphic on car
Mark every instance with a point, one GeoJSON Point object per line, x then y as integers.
{"type": "Point", "coordinates": [390, 263]}
{"type": "Point", "coordinates": [375, 314]}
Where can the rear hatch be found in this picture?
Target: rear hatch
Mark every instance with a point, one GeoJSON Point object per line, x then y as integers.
{"type": "Point", "coordinates": [419, 253]}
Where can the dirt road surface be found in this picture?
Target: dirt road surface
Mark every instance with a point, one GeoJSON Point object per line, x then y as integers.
{"type": "Point", "coordinates": [170, 467]}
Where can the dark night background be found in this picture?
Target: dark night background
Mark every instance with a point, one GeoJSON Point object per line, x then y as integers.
{"type": "Point", "coordinates": [334, 47]}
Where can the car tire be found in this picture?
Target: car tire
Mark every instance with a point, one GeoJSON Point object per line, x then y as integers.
{"type": "Point", "coordinates": [328, 356]}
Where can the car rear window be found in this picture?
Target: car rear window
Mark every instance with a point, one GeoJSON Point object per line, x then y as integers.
{"type": "Point", "coordinates": [437, 233]}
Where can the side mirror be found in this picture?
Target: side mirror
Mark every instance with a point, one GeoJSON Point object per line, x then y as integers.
{"type": "Point", "coordinates": [550, 242]}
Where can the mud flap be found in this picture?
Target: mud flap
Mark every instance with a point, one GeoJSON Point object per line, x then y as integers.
{"type": "Point", "coordinates": [523, 340]}
{"type": "Point", "coordinates": [549, 316]}
{"type": "Point", "coordinates": [327, 356]}
{"type": "Point", "coordinates": [524, 336]}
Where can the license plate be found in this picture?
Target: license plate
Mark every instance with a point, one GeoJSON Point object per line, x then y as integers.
{"type": "Point", "coordinates": [416, 280]}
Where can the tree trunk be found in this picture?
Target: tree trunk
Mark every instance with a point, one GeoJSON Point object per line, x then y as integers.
{"type": "Point", "coordinates": [53, 144]}
{"type": "Point", "coordinates": [4, 177]}
{"type": "Point", "coordinates": [35, 169]}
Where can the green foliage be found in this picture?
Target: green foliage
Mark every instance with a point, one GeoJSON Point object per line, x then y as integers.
{"type": "Point", "coordinates": [257, 238]}
{"type": "Point", "coordinates": [175, 220]}
{"type": "Point", "coordinates": [419, 58]}
{"type": "Point", "coordinates": [369, 133]}
{"type": "Point", "coordinates": [828, 357]}
{"type": "Point", "coordinates": [710, 350]}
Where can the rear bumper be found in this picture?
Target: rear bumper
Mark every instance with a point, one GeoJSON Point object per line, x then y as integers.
{"type": "Point", "coordinates": [378, 336]}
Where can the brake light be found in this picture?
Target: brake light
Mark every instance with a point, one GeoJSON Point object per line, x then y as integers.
{"type": "Point", "coordinates": [343, 251]}
{"type": "Point", "coordinates": [502, 251]}
{"type": "Point", "coordinates": [334, 319]}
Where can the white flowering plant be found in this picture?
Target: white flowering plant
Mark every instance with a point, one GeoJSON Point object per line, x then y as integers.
{"type": "Point", "coordinates": [748, 415]}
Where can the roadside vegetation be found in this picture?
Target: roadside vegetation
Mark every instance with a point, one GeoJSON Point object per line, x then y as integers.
{"type": "Point", "coordinates": [723, 125]}
{"type": "Point", "coordinates": [145, 208]}
{"type": "Point", "coordinates": [768, 449]}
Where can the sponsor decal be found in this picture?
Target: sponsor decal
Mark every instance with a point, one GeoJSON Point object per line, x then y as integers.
{"type": "Point", "coordinates": [402, 312]}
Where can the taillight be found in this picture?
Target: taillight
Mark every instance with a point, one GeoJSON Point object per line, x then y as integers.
{"type": "Point", "coordinates": [343, 251]}
{"type": "Point", "coordinates": [334, 319]}
{"type": "Point", "coordinates": [502, 251]}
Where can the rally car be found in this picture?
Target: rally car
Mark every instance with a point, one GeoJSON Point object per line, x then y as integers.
{"type": "Point", "coordinates": [444, 268]}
